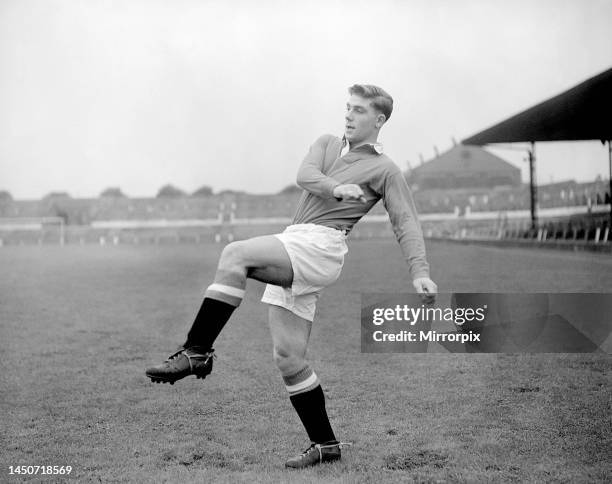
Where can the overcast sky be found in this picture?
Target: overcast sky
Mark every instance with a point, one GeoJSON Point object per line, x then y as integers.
{"type": "Point", "coordinates": [140, 93]}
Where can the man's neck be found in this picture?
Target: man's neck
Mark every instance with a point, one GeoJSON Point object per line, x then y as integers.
{"type": "Point", "coordinates": [353, 145]}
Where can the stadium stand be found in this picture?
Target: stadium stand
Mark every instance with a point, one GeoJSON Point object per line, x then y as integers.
{"type": "Point", "coordinates": [265, 206]}
{"type": "Point", "coordinates": [569, 211]}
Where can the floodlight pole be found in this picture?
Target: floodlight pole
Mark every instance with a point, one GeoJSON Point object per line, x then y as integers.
{"type": "Point", "coordinates": [532, 186]}
{"type": "Point", "coordinates": [610, 178]}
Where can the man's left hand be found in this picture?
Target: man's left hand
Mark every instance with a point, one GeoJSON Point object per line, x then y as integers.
{"type": "Point", "coordinates": [427, 288]}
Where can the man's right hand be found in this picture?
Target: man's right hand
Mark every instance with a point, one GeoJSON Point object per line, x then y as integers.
{"type": "Point", "coordinates": [426, 288]}
{"type": "Point", "coordinates": [349, 192]}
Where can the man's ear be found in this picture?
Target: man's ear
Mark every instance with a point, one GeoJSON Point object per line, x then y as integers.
{"type": "Point", "coordinates": [380, 120]}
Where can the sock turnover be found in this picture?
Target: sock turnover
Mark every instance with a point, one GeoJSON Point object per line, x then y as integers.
{"type": "Point", "coordinates": [221, 298]}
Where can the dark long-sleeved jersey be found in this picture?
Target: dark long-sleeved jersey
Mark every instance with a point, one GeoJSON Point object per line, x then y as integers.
{"type": "Point", "coordinates": [323, 169]}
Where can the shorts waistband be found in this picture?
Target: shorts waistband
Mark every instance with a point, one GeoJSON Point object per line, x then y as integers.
{"type": "Point", "coordinates": [315, 228]}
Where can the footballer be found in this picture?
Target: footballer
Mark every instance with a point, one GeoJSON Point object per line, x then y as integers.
{"type": "Point", "coordinates": [342, 179]}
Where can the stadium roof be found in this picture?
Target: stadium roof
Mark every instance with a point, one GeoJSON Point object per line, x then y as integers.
{"type": "Point", "coordinates": [464, 158]}
{"type": "Point", "coordinates": [580, 113]}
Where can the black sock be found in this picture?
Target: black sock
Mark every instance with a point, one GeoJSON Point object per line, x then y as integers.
{"type": "Point", "coordinates": [209, 322]}
{"type": "Point", "coordinates": [310, 406]}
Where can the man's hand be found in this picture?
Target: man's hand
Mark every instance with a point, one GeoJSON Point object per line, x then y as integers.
{"type": "Point", "coordinates": [427, 288]}
{"type": "Point", "coordinates": [349, 192]}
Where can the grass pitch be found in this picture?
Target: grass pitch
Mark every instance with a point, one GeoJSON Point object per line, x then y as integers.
{"type": "Point", "coordinates": [78, 325]}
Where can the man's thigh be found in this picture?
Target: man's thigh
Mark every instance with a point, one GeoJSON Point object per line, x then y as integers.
{"type": "Point", "coordinates": [290, 333]}
{"type": "Point", "coordinates": [267, 260]}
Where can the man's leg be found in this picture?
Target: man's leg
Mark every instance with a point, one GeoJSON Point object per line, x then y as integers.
{"type": "Point", "coordinates": [290, 334]}
{"type": "Point", "coordinates": [262, 258]}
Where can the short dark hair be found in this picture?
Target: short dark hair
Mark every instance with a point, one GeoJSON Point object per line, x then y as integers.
{"type": "Point", "coordinates": [380, 99]}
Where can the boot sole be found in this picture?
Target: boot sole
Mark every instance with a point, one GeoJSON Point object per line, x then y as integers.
{"type": "Point", "coordinates": [158, 379]}
{"type": "Point", "coordinates": [325, 462]}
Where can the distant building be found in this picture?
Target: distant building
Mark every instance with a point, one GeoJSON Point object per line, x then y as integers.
{"type": "Point", "coordinates": [464, 167]}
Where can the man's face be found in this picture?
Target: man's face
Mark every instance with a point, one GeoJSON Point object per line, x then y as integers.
{"type": "Point", "coordinates": [362, 120]}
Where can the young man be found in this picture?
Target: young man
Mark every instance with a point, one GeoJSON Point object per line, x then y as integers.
{"type": "Point", "coordinates": [342, 180]}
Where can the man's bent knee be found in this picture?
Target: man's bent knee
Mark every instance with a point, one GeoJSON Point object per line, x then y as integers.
{"type": "Point", "coordinates": [288, 362]}
{"type": "Point", "coordinates": [233, 254]}
{"type": "Point", "coordinates": [261, 258]}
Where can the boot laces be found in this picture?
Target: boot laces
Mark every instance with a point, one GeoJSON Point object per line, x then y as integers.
{"type": "Point", "coordinates": [318, 447]}
{"type": "Point", "coordinates": [307, 451]}
{"type": "Point", "coordinates": [183, 351]}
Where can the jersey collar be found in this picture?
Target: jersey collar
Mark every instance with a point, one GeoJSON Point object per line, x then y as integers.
{"type": "Point", "coordinates": [373, 147]}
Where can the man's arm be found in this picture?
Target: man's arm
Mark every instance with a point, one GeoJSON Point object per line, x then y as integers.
{"type": "Point", "coordinates": [310, 175]}
{"type": "Point", "coordinates": [403, 215]}
{"type": "Point", "coordinates": [311, 178]}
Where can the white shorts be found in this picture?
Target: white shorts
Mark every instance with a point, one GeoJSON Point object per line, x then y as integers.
{"type": "Point", "coordinates": [317, 256]}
